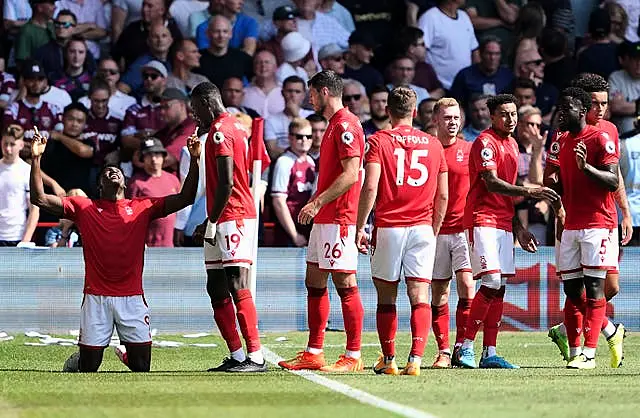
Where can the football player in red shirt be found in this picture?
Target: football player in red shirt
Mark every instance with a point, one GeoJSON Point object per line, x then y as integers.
{"type": "Point", "coordinates": [406, 179]}
{"type": "Point", "coordinates": [332, 244]}
{"type": "Point", "coordinates": [586, 160]}
{"type": "Point", "coordinates": [598, 88]}
{"type": "Point", "coordinates": [491, 226]}
{"type": "Point", "coordinates": [452, 249]}
{"type": "Point", "coordinates": [113, 231]}
{"type": "Point", "coordinates": [230, 228]}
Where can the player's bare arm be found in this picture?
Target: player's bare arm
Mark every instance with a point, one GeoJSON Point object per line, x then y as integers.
{"type": "Point", "coordinates": [368, 197]}
{"type": "Point", "coordinates": [346, 179]}
{"type": "Point", "coordinates": [497, 185]}
{"type": "Point", "coordinates": [189, 189]}
{"type": "Point", "coordinates": [49, 182]}
{"type": "Point", "coordinates": [48, 202]}
{"type": "Point", "coordinates": [626, 225]}
{"type": "Point", "coordinates": [525, 238]}
{"type": "Point", "coordinates": [440, 201]}
{"type": "Point", "coordinates": [283, 214]}
{"type": "Point", "coordinates": [75, 146]}
{"type": "Point", "coordinates": [606, 176]}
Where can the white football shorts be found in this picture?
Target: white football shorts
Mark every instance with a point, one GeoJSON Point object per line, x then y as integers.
{"type": "Point", "coordinates": [492, 255]}
{"type": "Point", "coordinates": [452, 256]}
{"type": "Point", "coordinates": [587, 252]}
{"type": "Point", "coordinates": [233, 245]}
{"type": "Point", "coordinates": [333, 248]}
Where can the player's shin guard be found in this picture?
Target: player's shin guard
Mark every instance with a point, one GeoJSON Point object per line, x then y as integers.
{"type": "Point", "coordinates": [225, 316]}
{"type": "Point", "coordinates": [462, 316]}
{"type": "Point", "coordinates": [420, 320]}
{"type": "Point", "coordinates": [440, 325]}
{"type": "Point", "coordinates": [479, 309]}
{"type": "Point", "coordinates": [492, 322]}
{"type": "Point", "coordinates": [248, 319]}
{"type": "Point", "coordinates": [387, 324]}
{"type": "Point", "coordinates": [353, 316]}
{"type": "Point", "coordinates": [592, 322]}
{"type": "Point", "coordinates": [318, 315]}
{"type": "Point", "coordinates": [573, 318]}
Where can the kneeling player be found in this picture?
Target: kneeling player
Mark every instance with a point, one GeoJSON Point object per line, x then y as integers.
{"type": "Point", "coordinates": [406, 178]}
{"type": "Point", "coordinates": [452, 250]}
{"type": "Point", "coordinates": [113, 231]}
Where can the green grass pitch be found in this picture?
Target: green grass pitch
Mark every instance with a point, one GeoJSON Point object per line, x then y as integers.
{"type": "Point", "coordinates": [31, 385]}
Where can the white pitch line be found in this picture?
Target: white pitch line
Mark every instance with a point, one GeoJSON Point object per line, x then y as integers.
{"type": "Point", "coordinates": [353, 393]}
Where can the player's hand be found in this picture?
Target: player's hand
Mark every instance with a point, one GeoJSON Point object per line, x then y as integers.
{"type": "Point", "coordinates": [544, 193]}
{"type": "Point", "coordinates": [627, 230]}
{"type": "Point", "coordinates": [198, 234]}
{"type": "Point", "coordinates": [308, 212]}
{"type": "Point", "coordinates": [193, 144]}
{"type": "Point", "coordinates": [362, 241]}
{"type": "Point", "coordinates": [38, 143]}
{"type": "Point", "coordinates": [178, 237]}
{"type": "Point", "coordinates": [527, 241]}
{"type": "Point", "coordinates": [299, 240]}
{"type": "Point", "coordinates": [581, 155]}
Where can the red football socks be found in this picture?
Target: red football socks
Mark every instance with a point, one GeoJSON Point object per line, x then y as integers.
{"type": "Point", "coordinates": [420, 320]}
{"type": "Point", "coordinates": [225, 317]}
{"type": "Point", "coordinates": [462, 316]}
{"type": "Point", "coordinates": [387, 324]}
{"type": "Point", "coordinates": [248, 319]}
{"type": "Point", "coordinates": [492, 321]}
{"type": "Point", "coordinates": [478, 313]}
{"type": "Point", "coordinates": [352, 315]}
{"type": "Point", "coordinates": [440, 325]}
{"type": "Point", "coordinates": [596, 309]}
{"type": "Point", "coordinates": [317, 315]}
{"type": "Point", "coordinates": [573, 319]}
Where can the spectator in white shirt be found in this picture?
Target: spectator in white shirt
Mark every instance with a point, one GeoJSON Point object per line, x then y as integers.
{"type": "Point", "coordinates": [91, 21]}
{"type": "Point", "coordinates": [319, 28]}
{"type": "Point", "coordinates": [119, 102]}
{"type": "Point", "coordinates": [263, 94]}
{"type": "Point", "coordinates": [338, 12]}
{"type": "Point", "coordinates": [15, 225]}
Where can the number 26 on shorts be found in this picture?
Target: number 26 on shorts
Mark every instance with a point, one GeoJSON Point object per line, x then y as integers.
{"type": "Point", "coordinates": [334, 252]}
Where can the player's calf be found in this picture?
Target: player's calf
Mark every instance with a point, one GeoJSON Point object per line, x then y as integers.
{"type": "Point", "coordinates": [90, 359]}
{"type": "Point", "coordinates": [138, 357]}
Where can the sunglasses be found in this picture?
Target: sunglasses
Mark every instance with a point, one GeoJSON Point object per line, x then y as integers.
{"type": "Point", "coordinates": [151, 76]}
{"type": "Point", "coordinates": [301, 137]}
{"type": "Point", "coordinates": [354, 97]}
{"type": "Point", "coordinates": [65, 25]}
{"type": "Point", "coordinates": [109, 71]}
{"type": "Point", "coordinates": [536, 62]}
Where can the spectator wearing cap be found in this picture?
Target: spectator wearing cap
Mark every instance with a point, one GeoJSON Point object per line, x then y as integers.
{"type": "Point", "coordinates": [91, 21]}
{"type": "Point", "coordinates": [263, 94]}
{"type": "Point", "coordinates": [76, 77]}
{"type": "Point", "coordinates": [103, 125]}
{"type": "Point", "coordinates": [277, 125]}
{"type": "Point", "coordinates": [145, 119]}
{"type": "Point", "coordinates": [8, 90]}
{"type": "Point", "coordinates": [358, 59]}
{"type": "Point", "coordinates": [601, 56]}
{"type": "Point", "coordinates": [159, 41]}
{"type": "Point", "coordinates": [32, 110]}
{"type": "Point", "coordinates": [184, 57]}
{"type": "Point", "coordinates": [319, 28]}
{"type": "Point", "coordinates": [331, 57]}
{"type": "Point", "coordinates": [560, 67]}
{"type": "Point", "coordinates": [340, 13]}
{"type": "Point", "coordinates": [410, 43]}
{"type": "Point", "coordinates": [37, 31]}
{"type": "Point", "coordinates": [297, 57]}
{"type": "Point", "coordinates": [624, 87]}
{"type": "Point", "coordinates": [53, 95]}
{"type": "Point", "coordinates": [402, 72]}
{"type": "Point", "coordinates": [244, 28]}
{"type": "Point", "coordinates": [119, 102]}
{"type": "Point", "coordinates": [220, 61]}
{"type": "Point", "coordinates": [68, 157]}
{"type": "Point", "coordinates": [233, 96]}
{"type": "Point", "coordinates": [175, 112]}
{"type": "Point", "coordinates": [284, 20]}
{"type": "Point", "coordinates": [153, 181]}
{"type": "Point", "coordinates": [378, 106]}
{"type": "Point", "coordinates": [484, 77]}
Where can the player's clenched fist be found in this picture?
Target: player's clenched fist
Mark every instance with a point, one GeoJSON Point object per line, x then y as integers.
{"type": "Point", "coordinates": [38, 143]}
{"type": "Point", "coordinates": [308, 212]}
{"type": "Point", "coordinates": [193, 144]}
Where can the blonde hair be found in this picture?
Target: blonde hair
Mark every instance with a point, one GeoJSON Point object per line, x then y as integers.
{"type": "Point", "coordinates": [298, 124]}
{"type": "Point", "coordinates": [528, 110]}
{"type": "Point", "coordinates": [444, 102]}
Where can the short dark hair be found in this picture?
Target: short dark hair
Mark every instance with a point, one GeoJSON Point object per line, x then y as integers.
{"type": "Point", "coordinates": [67, 12]}
{"type": "Point", "coordinates": [486, 40]}
{"type": "Point", "coordinates": [378, 88]}
{"type": "Point", "coordinates": [599, 24]}
{"type": "Point", "coordinates": [524, 83]}
{"type": "Point", "coordinates": [292, 79]}
{"type": "Point", "coordinates": [401, 102]}
{"type": "Point", "coordinates": [577, 93]}
{"type": "Point", "coordinates": [176, 47]}
{"type": "Point", "coordinates": [315, 118]}
{"type": "Point", "coordinates": [476, 97]}
{"type": "Point", "coordinates": [493, 102]}
{"type": "Point", "coordinates": [553, 42]}
{"type": "Point", "coordinates": [329, 79]}
{"type": "Point", "coordinates": [407, 36]}
{"type": "Point", "coordinates": [207, 92]}
{"type": "Point", "coordinates": [591, 83]}
{"type": "Point", "coordinates": [98, 83]}
{"type": "Point", "coordinates": [76, 106]}
{"type": "Point", "coordinates": [427, 100]}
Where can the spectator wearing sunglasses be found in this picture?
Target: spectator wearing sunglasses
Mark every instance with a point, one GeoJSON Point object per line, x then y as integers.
{"type": "Point", "coordinates": [331, 57]}
{"type": "Point", "coordinates": [402, 72]}
{"type": "Point", "coordinates": [529, 64]}
{"type": "Point", "coordinates": [91, 21]}
{"type": "Point", "coordinates": [37, 31]}
{"type": "Point", "coordinates": [355, 98]}
{"type": "Point", "coordinates": [293, 176]}
{"type": "Point", "coordinates": [119, 102]}
{"type": "Point", "coordinates": [76, 78]}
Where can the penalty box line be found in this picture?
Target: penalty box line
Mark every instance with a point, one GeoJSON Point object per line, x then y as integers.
{"type": "Point", "coordinates": [351, 392]}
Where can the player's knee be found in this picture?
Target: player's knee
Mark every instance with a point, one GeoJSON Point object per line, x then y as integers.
{"type": "Point", "coordinates": [237, 278]}
{"type": "Point", "coordinates": [217, 287]}
{"type": "Point", "coordinates": [418, 292]}
{"type": "Point", "coordinates": [594, 287]}
{"type": "Point", "coordinates": [573, 288]}
{"type": "Point", "coordinates": [611, 289]}
{"type": "Point", "coordinates": [492, 281]}
{"type": "Point", "coordinates": [440, 292]}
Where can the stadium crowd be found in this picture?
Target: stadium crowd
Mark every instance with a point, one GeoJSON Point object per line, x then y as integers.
{"type": "Point", "coordinates": [109, 82]}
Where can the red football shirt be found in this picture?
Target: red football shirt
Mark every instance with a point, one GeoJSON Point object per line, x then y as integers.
{"type": "Point", "coordinates": [457, 156]}
{"type": "Point", "coordinates": [344, 138]}
{"type": "Point", "coordinates": [611, 130]}
{"type": "Point", "coordinates": [229, 138]}
{"type": "Point", "coordinates": [113, 236]}
{"type": "Point", "coordinates": [410, 162]}
{"type": "Point", "coordinates": [588, 204]}
{"type": "Point", "coordinates": [491, 152]}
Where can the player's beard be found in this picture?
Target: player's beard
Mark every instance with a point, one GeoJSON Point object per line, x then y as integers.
{"type": "Point", "coordinates": [379, 118]}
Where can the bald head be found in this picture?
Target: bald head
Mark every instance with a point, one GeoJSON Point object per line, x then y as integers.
{"type": "Point", "coordinates": [219, 32]}
{"type": "Point", "coordinates": [159, 39]}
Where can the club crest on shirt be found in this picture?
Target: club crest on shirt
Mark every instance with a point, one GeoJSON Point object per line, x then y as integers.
{"type": "Point", "coordinates": [128, 210]}
{"type": "Point", "coordinates": [610, 147]}
{"type": "Point", "coordinates": [218, 137]}
{"type": "Point", "coordinates": [555, 147]}
{"type": "Point", "coordinates": [347, 137]}
{"type": "Point", "coordinates": [486, 154]}
{"type": "Point", "coordinates": [218, 125]}
{"type": "Point", "coordinates": [345, 125]}
{"type": "Point", "coordinates": [459, 156]}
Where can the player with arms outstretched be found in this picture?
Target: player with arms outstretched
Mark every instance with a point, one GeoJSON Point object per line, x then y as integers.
{"type": "Point", "coordinates": [113, 231]}
{"type": "Point", "coordinates": [491, 226]}
{"type": "Point", "coordinates": [332, 247]}
{"type": "Point", "coordinates": [587, 162]}
{"type": "Point", "coordinates": [406, 178]}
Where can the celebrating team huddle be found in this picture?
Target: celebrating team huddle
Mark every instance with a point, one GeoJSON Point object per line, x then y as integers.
{"type": "Point", "coordinates": [439, 207]}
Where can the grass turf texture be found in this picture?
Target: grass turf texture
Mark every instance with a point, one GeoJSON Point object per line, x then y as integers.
{"type": "Point", "coordinates": [177, 387]}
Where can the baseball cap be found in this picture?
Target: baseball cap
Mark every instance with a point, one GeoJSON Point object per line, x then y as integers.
{"type": "Point", "coordinates": [32, 69]}
{"type": "Point", "coordinates": [174, 94]}
{"type": "Point", "coordinates": [633, 50]}
{"type": "Point", "coordinates": [150, 145]}
{"type": "Point", "coordinates": [330, 50]}
{"type": "Point", "coordinates": [157, 66]}
{"type": "Point", "coordinates": [359, 37]}
{"type": "Point", "coordinates": [285, 13]}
